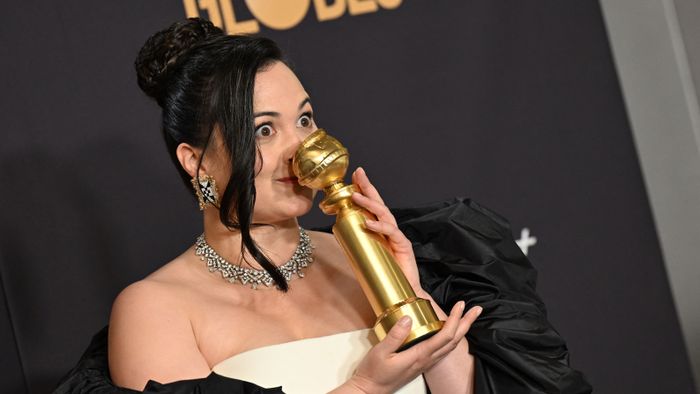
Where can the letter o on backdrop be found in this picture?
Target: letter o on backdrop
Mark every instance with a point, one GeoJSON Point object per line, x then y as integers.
{"type": "Point", "coordinates": [279, 14]}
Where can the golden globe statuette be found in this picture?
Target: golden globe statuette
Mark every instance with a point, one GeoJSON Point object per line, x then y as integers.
{"type": "Point", "coordinates": [321, 163]}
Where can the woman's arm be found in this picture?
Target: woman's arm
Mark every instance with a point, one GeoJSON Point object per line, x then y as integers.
{"type": "Point", "coordinates": [454, 373]}
{"type": "Point", "coordinates": [151, 338]}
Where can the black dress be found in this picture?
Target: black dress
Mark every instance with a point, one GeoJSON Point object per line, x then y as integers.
{"type": "Point", "coordinates": [464, 252]}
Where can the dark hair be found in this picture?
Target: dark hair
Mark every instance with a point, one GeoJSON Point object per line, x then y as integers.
{"type": "Point", "coordinates": [203, 79]}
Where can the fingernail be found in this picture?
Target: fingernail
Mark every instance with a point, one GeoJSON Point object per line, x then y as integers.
{"type": "Point", "coordinates": [405, 321]}
{"type": "Point", "coordinates": [370, 222]}
{"type": "Point", "coordinates": [460, 305]}
{"type": "Point", "coordinates": [479, 311]}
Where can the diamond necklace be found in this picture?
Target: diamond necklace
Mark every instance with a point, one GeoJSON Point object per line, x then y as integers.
{"type": "Point", "coordinates": [232, 273]}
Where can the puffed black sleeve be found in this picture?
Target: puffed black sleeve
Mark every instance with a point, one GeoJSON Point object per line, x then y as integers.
{"type": "Point", "coordinates": [91, 375]}
{"type": "Point", "coordinates": [467, 252]}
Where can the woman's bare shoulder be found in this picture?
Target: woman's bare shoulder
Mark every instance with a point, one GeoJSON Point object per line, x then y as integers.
{"type": "Point", "coordinates": [146, 295]}
{"type": "Point", "coordinates": [151, 290]}
{"type": "Point", "coordinates": [165, 293]}
{"type": "Point", "coordinates": [150, 334]}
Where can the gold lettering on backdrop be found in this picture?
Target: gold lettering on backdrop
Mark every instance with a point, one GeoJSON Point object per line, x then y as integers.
{"type": "Point", "coordinates": [358, 7]}
{"type": "Point", "coordinates": [326, 12]}
{"type": "Point", "coordinates": [210, 6]}
{"type": "Point", "coordinates": [280, 14]}
{"type": "Point", "coordinates": [191, 10]}
{"type": "Point", "coordinates": [389, 4]}
{"type": "Point", "coordinates": [232, 25]}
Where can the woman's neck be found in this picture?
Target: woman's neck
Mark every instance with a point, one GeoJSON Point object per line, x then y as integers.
{"type": "Point", "coordinates": [276, 240]}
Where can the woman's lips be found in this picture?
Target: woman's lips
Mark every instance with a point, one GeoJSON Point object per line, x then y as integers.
{"type": "Point", "coordinates": [289, 179]}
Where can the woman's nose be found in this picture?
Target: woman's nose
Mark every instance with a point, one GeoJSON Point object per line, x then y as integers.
{"type": "Point", "coordinates": [295, 143]}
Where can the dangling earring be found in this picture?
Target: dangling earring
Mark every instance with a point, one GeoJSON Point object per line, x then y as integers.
{"type": "Point", "coordinates": [206, 191]}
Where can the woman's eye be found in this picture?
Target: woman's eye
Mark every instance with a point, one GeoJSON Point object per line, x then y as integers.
{"type": "Point", "coordinates": [305, 121]}
{"type": "Point", "coordinates": [264, 131]}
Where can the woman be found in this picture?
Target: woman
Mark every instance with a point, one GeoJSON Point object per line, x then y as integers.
{"type": "Point", "coordinates": [182, 320]}
{"type": "Point", "coordinates": [233, 115]}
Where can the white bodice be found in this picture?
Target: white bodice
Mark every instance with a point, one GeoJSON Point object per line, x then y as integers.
{"type": "Point", "coordinates": [306, 366]}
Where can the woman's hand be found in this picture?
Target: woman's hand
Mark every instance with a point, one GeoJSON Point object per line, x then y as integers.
{"type": "Point", "coordinates": [445, 357]}
{"type": "Point", "coordinates": [383, 370]}
{"type": "Point", "coordinates": [369, 198]}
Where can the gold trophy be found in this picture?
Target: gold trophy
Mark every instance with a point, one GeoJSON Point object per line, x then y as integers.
{"type": "Point", "coordinates": [321, 163]}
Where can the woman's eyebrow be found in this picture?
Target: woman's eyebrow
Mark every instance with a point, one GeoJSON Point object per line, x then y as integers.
{"type": "Point", "coordinates": [267, 113]}
{"type": "Point", "coordinates": [304, 101]}
{"type": "Point", "coordinates": [273, 113]}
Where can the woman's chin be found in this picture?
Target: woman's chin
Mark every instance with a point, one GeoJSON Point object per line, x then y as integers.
{"type": "Point", "coordinates": [282, 210]}
{"type": "Point", "coordinates": [305, 206]}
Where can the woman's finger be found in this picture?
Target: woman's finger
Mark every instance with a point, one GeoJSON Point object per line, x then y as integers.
{"type": "Point", "coordinates": [376, 207]}
{"type": "Point", "coordinates": [465, 324]}
{"type": "Point", "coordinates": [461, 323]}
{"type": "Point", "coordinates": [473, 313]}
{"type": "Point", "coordinates": [452, 324]}
{"type": "Point", "coordinates": [395, 235]}
{"type": "Point", "coordinates": [395, 337]}
{"type": "Point", "coordinates": [359, 177]}
{"type": "Point", "coordinates": [426, 348]}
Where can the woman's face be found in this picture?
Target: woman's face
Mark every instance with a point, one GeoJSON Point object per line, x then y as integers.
{"type": "Point", "coordinates": [283, 118]}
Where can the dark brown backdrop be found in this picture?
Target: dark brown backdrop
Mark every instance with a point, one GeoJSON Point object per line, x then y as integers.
{"type": "Point", "coordinates": [515, 104]}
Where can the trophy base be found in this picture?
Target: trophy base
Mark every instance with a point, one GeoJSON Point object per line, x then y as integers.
{"type": "Point", "coordinates": [425, 322]}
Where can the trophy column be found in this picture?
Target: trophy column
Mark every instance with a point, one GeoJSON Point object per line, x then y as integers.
{"type": "Point", "coordinates": [321, 163]}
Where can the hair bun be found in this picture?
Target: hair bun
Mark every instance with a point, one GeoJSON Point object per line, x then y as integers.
{"type": "Point", "coordinates": [163, 49]}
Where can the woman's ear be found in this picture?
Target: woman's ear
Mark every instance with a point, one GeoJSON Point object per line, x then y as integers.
{"type": "Point", "coordinates": [189, 156]}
